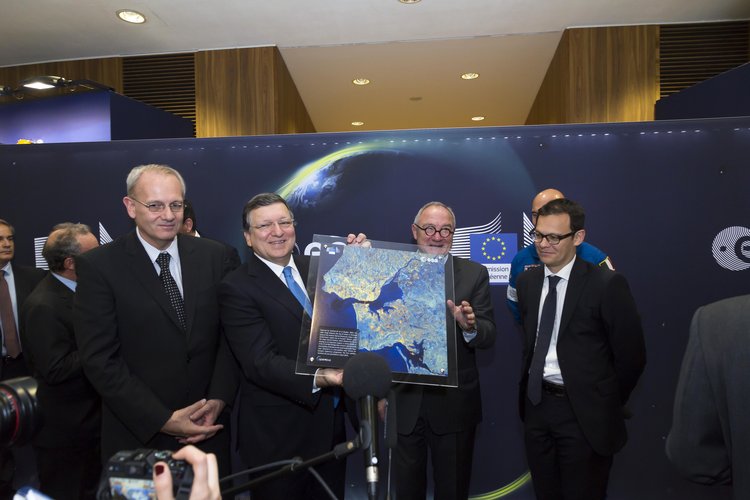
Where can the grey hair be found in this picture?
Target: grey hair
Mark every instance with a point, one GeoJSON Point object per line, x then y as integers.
{"type": "Point", "coordinates": [63, 245]}
{"type": "Point", "coordinates": [136, 173]}
{"type": "Point", "coordinates": [435, 204]}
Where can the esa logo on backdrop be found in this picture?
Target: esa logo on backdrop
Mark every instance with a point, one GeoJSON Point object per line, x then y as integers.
{"type": "Point", "coordinates": [731, 248]}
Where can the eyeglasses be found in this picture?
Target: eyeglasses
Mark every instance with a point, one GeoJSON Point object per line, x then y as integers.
{"type": "Point", "coordinates": [552, 239]}
{"type": "Point", "coordinates": [431, 230]}
{"type": "Point", "coordinates": [283, 224]}
{"type": "Point", "coordinates": [158, 206]}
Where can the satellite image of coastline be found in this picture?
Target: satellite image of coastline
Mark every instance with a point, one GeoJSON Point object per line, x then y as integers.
{"type": "Point", "coordinates": [391, 301]}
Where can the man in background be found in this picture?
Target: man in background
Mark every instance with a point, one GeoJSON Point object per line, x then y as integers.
{"type": "Point", "coordinates": [443, 420]}
{"type": "Point", "coordinates": [190, 228]}
{"type": "Point", "coordinates": [528, 258]}
{"type": "Point", "coordinates": [16, 283]}
{"type": "Point", "coordinates": [710, 438]}
{"type": "Point", "coordinates": [67, 444]}
{"type": "Point", "coordinates": [584, 352]}
{"type": "Point", "coordinates": [147, 326]}
{"type": "Point", "coordinates": [189, 220]}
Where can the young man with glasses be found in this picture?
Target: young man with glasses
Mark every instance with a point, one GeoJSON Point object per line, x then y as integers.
{"type": "Point", "coordinates": [527, 257]}
{"type": "Point", "coordinates": [583, 354]}
{"type": "Point", "coordinates": [442, 421]}
{"type": "Point", "coordinates": [147, 326]}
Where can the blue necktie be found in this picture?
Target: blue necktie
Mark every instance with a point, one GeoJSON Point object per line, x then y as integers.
{"type": "Point", "coordinates": [543, 339]}
{"type": "Point", "coordinates": [297, 291]}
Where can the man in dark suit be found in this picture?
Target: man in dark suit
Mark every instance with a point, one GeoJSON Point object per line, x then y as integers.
{"type": "Point", "coordinates": [67, 444]}
{"type": "Point", "coordinates": [710, 438]}
{"type": "Point", "coordinates": [444, 419]}
{"type": "Point", "coordinates": [583, 354]}
{"type": "Point", "coordinates": [147, 326]}
{"type": "Point", "coordinates": [282, 415]}
{"type": "Point", "coordinates": [16, 283]}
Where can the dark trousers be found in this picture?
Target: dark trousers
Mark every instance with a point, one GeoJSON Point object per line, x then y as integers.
{"type": "Point", "coordinates": [451, 456]}
{"type": "Point", "coordinates": [562, 463]}
{"type": "Point", "coordinates": [303, 485]}
{"type": "Point", "coordinates": [69, 473]}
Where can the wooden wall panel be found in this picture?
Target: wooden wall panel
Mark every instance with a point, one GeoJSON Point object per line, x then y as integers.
{"type": "Point", "coordinates": [107, 71]}
{"type": "Point", "coordinates": [292, 116]}
{"type": "Point", "coordinates": [549, 106]}
{"type": "Point", "coordinates": [246, 92]}
{"type": "Point", "coordinates": [601, 75]}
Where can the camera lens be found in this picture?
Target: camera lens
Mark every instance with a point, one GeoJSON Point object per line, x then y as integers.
{"type": "Point", "coordinates": [19, 412]}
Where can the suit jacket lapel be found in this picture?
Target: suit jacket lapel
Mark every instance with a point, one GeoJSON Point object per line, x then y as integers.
{"type": "Point", "coordinates": [144, 271]}
{"type": "Point", "coordinates": [189, 267]}
{"type": "Point", "coordinates": [576, 285]}
{"type": "Point", "coordinates": [273, 285]}
{"type": "Point", "coordinates": [535, 295]}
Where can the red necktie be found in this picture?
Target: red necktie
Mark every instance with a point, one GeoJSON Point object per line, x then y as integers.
{"type": "Point", "coordinates": [10, 336]}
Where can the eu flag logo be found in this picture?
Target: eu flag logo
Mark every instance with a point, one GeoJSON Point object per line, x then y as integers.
{"type": "Point", "coordinates": [497, 248]}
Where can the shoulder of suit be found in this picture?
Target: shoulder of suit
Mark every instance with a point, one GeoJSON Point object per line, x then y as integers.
{"type": "Point", "coordinates": [467, 265]}
{"type": "Point", "coordinates": [29, 271]}
{"type": "Point", "coordinates": [728, 306]}
{"type": "Point", "coordinates": [204, 244]}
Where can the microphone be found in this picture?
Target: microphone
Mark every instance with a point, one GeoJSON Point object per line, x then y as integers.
{"type": "Point", "coordinates": [367, 378]}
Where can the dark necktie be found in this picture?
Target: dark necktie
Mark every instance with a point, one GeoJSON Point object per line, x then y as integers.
{"type": "Point", "coordinates": [297, 291]}
{"type": "Point", "coordinates": [170, 286]}
{"type": "Point", "coordinates": [10, 336]}
{"type": "Point", "coordinates": [543, 339]}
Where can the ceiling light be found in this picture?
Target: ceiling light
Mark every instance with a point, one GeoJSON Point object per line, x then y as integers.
{"type": "Point", "coordinates": [131, 16]}
{"type": "Point", "coordinates": [477, 118]}
{"type": "Point", "coordinates": [358, 124]}
{"type": "Point", "coordinates": [51, 82]}
{"type": "Point", "coordinates": [44, 82]}
{"type": "Point", "coordinates": [361, 81]}
{"type": "Point", "coordinates": [470, 76]}
{"type": "Point", "coordinates": [409, 1]}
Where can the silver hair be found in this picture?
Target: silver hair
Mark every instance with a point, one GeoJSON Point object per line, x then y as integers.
{"type": "Point", "coordinates": [136, 173]}
{"type": "Point", "coordinates": [435, 204]}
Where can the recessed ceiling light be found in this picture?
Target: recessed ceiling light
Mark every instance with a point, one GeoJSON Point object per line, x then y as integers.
{"type": "Point", "coordinates": [409, 1]}
{"type": "Point", "coordinates": [358, 124]}
{"type": "Point", "coordinates": [470, 76]}
{"type": "Point", "coordinates": [131, 16]}
{"type": "Point", "coordinates": [361, 81]}
{"type": "Point", "coordinates": [477, 118]}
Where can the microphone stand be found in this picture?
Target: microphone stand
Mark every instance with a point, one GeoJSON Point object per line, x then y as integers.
{"type": "Point", "coordinates": [339, 451]}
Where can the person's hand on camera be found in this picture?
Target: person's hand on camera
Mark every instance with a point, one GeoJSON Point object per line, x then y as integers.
{"type": "Point", "coordinates": [205, 475]}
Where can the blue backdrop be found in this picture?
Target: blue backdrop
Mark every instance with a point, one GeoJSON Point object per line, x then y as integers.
{"type": "Point", "coordinates": [660, 198]}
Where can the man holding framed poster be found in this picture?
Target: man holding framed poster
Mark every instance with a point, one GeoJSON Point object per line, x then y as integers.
{"type": "Point", "coordinates": [444, 419]}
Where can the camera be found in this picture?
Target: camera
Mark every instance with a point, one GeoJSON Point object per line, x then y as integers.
{"type": "Point", "coordinates": [129, 475]}
{"type": "Point", "coordinates": [20, 417]}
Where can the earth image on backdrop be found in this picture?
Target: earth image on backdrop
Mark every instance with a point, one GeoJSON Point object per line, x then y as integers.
{"type": "Point", "coordinates": [381, 300]}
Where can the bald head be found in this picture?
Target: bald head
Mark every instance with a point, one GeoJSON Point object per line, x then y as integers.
{"type": "Point", "coordinates": [542, 199]}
